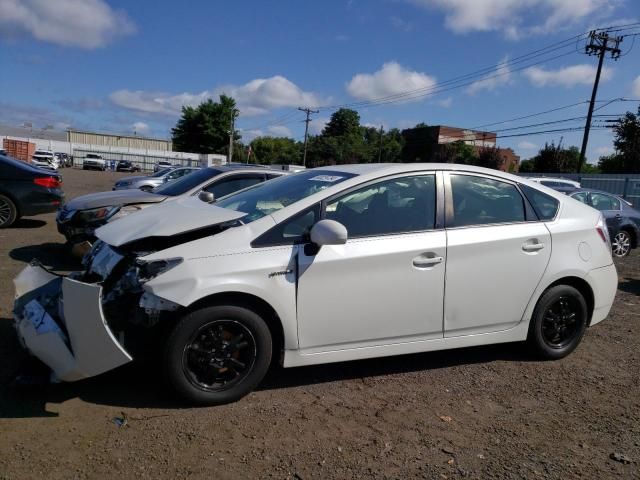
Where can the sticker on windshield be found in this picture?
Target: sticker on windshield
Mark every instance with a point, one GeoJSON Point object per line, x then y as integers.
{"type": "Point", "coordinates": [326, 178]}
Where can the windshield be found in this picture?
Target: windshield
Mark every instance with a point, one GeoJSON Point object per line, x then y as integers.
{"type": "Point", "coordinates": [186, 183]}
{"type": "Point", "coordinates": [162, 172]}
{"type": "Point", "coordinates": [273, 195]}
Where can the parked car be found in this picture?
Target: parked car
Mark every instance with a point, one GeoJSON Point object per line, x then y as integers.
{"type": "Point", "coordinates": [94, 161]}
{"type": "Point", "coordinates": [148, 183]}
{"type": "Point", "coordinates": [327, 265]}
{"type": "Point", "coordinates": [126, 166]}
{"type": "Point", "coordinates": [623, 221]}
{"type": "Point", "coordinates": [63, 159]}
{"type": "Point", "coordinates": [563, 185]}
{"type": "Point", "coordinates": [162, 164]}
{"type": "Point", "coordinates": [78, 219]}
{"type": "Point", "coordinates": [45, 159]}
{"type": "Point", "coordinates": [26, 190]}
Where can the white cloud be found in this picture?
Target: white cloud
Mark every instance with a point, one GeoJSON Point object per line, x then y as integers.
{"type": "Point", "coordinates": [317, 125]}
{"type": "Point", "coordinates": [391, 79]}
{"type": "Point", "coordinates": [517, 18]}
{"type": "Point", "coordinates": [501, 76]}
{"type": "Point", "coordinates": [280, 131]}
{"type": "Point", "coordinates": [401, 24]}
{"type": "Point", "coordinates": [445, 102]}
{"type": "Point", "coordinates": [606, 150]}
{"type": "Point", "coordinates": [635, 87]}
{"type": "Point", "coordinates": [582, 74]}
{"type": "Point", "coordinates": [248, 135]}
{"type": "Point", "coordinates": [85, 24]}
{"type": "Point", "coordinates": [524, 145]}
{"type": "Point", "coordinates": [256, 97]}
{"type": "Point", "coordinates": [140, 128]}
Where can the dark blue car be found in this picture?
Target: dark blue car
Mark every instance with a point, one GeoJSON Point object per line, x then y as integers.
{"type": "Point", "coordinates": [623, 221]}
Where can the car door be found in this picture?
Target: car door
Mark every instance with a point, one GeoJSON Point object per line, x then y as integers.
{"type": "Point", "coordinates": [610, 208]}
{"type": "Point", "coordinates": [386, 284]}
{"type": "Point", "coordinates": [497, 252]}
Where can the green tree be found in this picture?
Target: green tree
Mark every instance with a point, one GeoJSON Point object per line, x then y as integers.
{"type": "Point", "coordinates": [268, 150]}
{"type": "Point", "coordinates": [490, 157]}
{"type": "Point", "coordinates": [552, 159]}
{"type": "Point", "coordinates": [627, 142]}
{"type": "Point", "coordinates": [527, 166]}
{"type": "Point", "coordinates": [613, 163]}
{"type": "Point", "coordinates": [205, 128]}
{"type": "Point", "coordinates": [343, 122]}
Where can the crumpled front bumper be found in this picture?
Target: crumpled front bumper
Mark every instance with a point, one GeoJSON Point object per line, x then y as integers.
{"type": "Point", "coordinates": [79, 344]}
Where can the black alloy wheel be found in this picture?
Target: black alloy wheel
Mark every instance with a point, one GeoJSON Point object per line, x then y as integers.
{"type": "Point", "coordinates": [8, 212]}
{"type": "Point", "coordinates": [561, 322]}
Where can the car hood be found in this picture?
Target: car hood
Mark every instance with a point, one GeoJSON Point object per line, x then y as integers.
{"type": "Point", "coordinates": [112, 198]}
{"type": "Point", "coordinates": [135, 178]}
{"type": "Point", "coordinates": [172, 218]}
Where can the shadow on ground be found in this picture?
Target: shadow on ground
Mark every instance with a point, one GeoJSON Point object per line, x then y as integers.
{"type": "Point", "coordinates": [630, 285]}
{"type": "Point", "coordinates": [54, 256]}
{"type": "Point", "coordinates": [25, 223]}
{"type": "Point", "coordinates": [139, 385]}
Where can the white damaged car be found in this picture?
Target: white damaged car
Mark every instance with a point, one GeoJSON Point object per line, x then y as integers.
{"type": "Point", "coordinates": [326, 265]}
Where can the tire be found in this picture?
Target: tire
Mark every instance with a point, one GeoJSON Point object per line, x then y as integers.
{"type": "Point", "coordinates": [201, 363]}
{"type": "Point", "coordinates": [85, 168]}
{"type": "Point", "coordinates": [8, 212]}
{"type": "Point", "coordinates": [621, 245]}
{"type": "Point", "coordinates": [558, 322]}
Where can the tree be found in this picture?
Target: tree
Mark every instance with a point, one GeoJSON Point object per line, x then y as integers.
{"type": "Point", "coordinates": [613, 163]}
{"type": "Point", "coordinates": [343, 122]}
{"type": "Point", "coordinates": [527, 166]}
{"type": "Point", "coordinates": [267, 150]}
{"type": "Point", "coordinates": [490, 157]}
{"type": "Point", "coordinates": [205, 128]}
{"type": "Point", "coordinates": [627, 142]}
{"type": "Point", "coordinates": [552, 159]}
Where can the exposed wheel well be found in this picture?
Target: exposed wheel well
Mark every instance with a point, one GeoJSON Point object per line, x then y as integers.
{"type": "Point", "coordinates": [13, 200]}
{"type": "Point", "coordinates": [255, 304]}
{"type": "Point", "coordinates": [582, 286]}
{"type": "Point", "coordinates": [632, 234]}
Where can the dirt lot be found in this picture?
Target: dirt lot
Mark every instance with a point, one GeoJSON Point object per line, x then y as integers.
{"type": "Point", "coordinates": [486, 412]}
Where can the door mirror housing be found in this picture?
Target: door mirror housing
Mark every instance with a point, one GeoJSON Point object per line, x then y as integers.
{"type": "Point", "coordinates": [207, 197]}
{"type": "Point", "coordinates": [328, 232]}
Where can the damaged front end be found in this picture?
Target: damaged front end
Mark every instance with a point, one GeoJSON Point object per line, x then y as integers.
{"type": "Point", "coordinates": [79, 325]}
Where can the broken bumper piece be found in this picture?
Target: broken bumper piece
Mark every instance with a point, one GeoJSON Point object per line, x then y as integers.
{"type": "Point", "coordinates": [60, 321]}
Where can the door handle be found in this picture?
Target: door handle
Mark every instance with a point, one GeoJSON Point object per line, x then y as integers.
{"type": "Point", "coordinates": [422, 261]}
{"type": "Point", "coordinates": [532, 247]}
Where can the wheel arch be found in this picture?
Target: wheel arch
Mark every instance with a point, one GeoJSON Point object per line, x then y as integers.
{"type": "Point", "coordinates": [579, 284]}
{"type": "Point", "coordinates": [257, 305]}
{"type": "Point", "coordinates": [13, 199]}
{"type": "Point", "coordinates": [632, 233]}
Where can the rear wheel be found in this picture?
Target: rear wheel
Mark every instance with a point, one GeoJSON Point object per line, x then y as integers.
{"type": "Point", "coordinates": [8, 212]}
{"type": "Point", "coordinates": [621, 245]}
{"type": "Point", "coordinates": [218, 355]}
{"type": "Point", "coordinates": [558, 322]}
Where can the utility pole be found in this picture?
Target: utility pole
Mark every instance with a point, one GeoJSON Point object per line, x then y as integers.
{"type": "Point", "coordinates": [599, 44]}
{"type": "Point", "coordinates": [308, 111]}
{"type": "Point", "coordinates": [380, 146]}
{"type": "Point", "coordinates": [232, 131]}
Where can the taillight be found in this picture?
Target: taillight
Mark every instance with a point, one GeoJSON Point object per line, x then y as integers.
{"type": "Point", "coordinates": [47, 182]}
{"type": "Point", "coordinates": [603, 231]}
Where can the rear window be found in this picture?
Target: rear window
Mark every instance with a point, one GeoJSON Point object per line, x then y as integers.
{"type": "Point", "coordinates": [544, 205]}
{"type": "Point", "coordinates": [186, 183]}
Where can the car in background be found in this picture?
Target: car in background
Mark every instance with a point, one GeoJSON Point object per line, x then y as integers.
{"type": "Point", "coordinates": [3, 152]}
{"type": "Point", "coordinates": [45, 159]}
{"type": "Point", "coordinates": [126, 166]}
{"type": "Point", "coordinates": [148, 183]}
{"type": "Point", "coordinates": [64, 159]}
{"type": "Point", "coordinates": [623, 221]}
{"type": "Point", "coordinates": [161, 165]}
{"type": "Point", "coordinates": [327, 265]}
{"type": "Point", "coordinates": [78, 219]}
{"type": "Point", "coordinates": [94, 161]}
{"type": "Point", "coordinates": [26, 190]}
{"type": "Point", "coordinates": [563, 185]}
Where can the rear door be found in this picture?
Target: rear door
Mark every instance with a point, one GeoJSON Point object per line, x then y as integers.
{"type": "Point", "coordinates": [497, 252]}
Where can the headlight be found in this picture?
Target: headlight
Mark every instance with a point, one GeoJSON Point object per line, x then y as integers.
{"type": "Point", "coordinates": [149, 270]}
{"type": "Point", "coordinates": [97, 214]}
{"type": "Point", "coordinates": [126, 210]}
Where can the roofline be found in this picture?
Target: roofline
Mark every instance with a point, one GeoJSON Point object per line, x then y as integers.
{"type": "Point", "coordinates": [105, 134]}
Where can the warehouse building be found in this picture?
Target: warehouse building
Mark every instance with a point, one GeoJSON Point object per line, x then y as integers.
{"type": "Point", "coordinates": [115, 140]}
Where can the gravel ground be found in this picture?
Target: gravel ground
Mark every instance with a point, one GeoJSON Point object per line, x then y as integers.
{"type": "Point", "coordinates": [484, 412]}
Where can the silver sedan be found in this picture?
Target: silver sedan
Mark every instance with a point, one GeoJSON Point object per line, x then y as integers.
{"type": "Point", "coordinates": [148, 183]}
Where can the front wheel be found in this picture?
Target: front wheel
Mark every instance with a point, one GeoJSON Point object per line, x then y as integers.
{"type": "Point", "coordinates": [621, 245]}
{"type": "Point", "coordinates": [217, 355]}
{"type": "Point", "coordinates": [558, 322]}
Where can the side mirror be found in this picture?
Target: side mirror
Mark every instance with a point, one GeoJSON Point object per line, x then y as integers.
{"type": "Point", "coordinates": [207, 197]}
{"type": "Point", "coordinates": [328, 232]}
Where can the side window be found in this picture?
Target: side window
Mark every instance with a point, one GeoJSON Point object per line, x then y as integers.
{"type": "Point", "coordinates": [232, 184]}
{"type": "Point", "coordinates": [405, 204]}
{"type": "Point", "coordinates": [544, 205]}
{"type": "Point", "coordinates": [479, 201]}
{"type": "Point", "coordinates": [581, 197]}
{"type": "Point", "coordinates": [604, 202]}
{"type": "Point", "coordinates": [293, 230]}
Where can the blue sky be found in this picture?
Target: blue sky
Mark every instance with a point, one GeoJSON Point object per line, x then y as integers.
{"type": "Point", "coordinates": [121, 66]}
